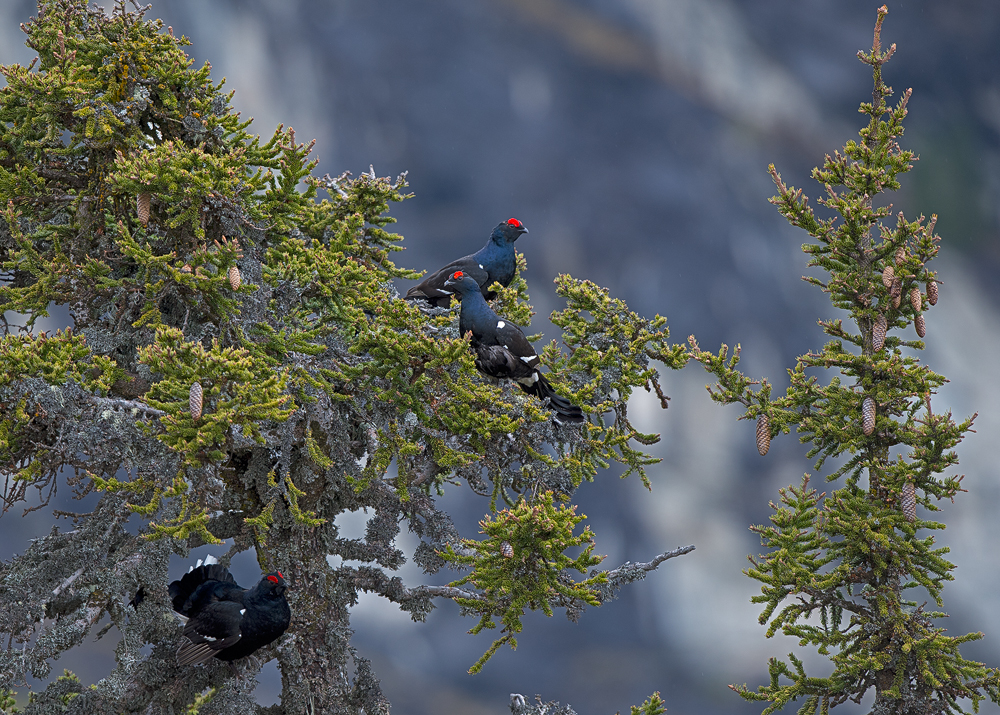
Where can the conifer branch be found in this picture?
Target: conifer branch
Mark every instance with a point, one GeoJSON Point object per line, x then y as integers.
{"type": "Point", "coordinates": [630, 572]}
{"type": "Point", "coordinates": [442, 591]}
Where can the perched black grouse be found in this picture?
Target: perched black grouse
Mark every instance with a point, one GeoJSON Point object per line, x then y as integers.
{"type": "Point", "coordinates": [493, 262]}
{"type": "Point", "coordinates": [501, 348]}
{"type": "Point", "coordinates": [226, 621]}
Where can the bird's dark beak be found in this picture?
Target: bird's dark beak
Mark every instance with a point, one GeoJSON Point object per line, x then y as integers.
{"type": "Point", "coordinates": [523, 229]}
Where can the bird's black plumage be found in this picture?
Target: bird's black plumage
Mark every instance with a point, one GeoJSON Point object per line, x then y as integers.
{"type": "Point", "coordinates": [493, 262]}
{"type": "Point", "coordinates": [502, 350]}
{"type": "Point", "coordinates": [223, 620]}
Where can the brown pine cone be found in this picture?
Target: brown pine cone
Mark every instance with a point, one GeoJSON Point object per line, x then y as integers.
{"type": "Point", "coordinates": [919, 324]}
{"type": "Point", "coordinates": [932, 292]}
{"type": "Point", "coordinates": [234, 277]}
{"type": "Point", "coordinates": [896, 292]}
{"type": "Point", "coordinates": [888, 275]}
{"type": "Point", "coordinates": [195, 399]}
{"type": "Point", "coordinates": [915, 299]}
{"type": "Point", "coordinates": [868, 416]}
{"type": "Point", "coordinates": [878, 333]}
{"type": "Point", "coordinates": [900, 255]}
{"type": "Point", "coordinates": [763, 435]}
{"type": "Point", "coordinates": [142, 207]}
{"type": "Point", "coordinates": [507, 550]}
{"type": "Point", "coordinates": [908, 502]}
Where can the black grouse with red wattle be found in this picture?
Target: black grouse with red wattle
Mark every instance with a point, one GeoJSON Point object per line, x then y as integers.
{"type": "Point", "coordinates": [502, 350]}
{"type": "Point", "coordinates": [222, 619]}
{"type": "Point", "coordinates": [494, 262]}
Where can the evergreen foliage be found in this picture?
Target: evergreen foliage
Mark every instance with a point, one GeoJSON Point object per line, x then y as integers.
{"type": "Point", "coordinates": [844, 570]}
{"type": "Point", "coordinates": [533, 575]}
{"type": "Point", "coordinates": [652, 706]}
{"type": "Point", "coordinates": [257, 410]}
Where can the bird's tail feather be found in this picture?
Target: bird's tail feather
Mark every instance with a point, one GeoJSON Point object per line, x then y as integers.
{"type": "Point", "coordinates": [565, 410]}
{"type": "Point", "coordinates": [438, 301]}
{"type": "Point", "coordinates": [182, 589]}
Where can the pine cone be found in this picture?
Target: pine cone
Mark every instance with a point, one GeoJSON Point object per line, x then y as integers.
{"type": "Point", "coordinates": [908, 502]}
{"type": "Point", "coordinates": [507, 550]}
{"type": "Point", "coordinates": [932, 292]}
{"type": "Point", "coordinates": [896, 292]}
{"type": "Point", "coordinates": [194, 400]}
{"type": "Point", "coordinates": [763, 434]}
{"type": "Point", "coordinates": [919, 324]}
{"type": "Point", "coordinates": [142, 207]}
{"type": "Point", "coordinates": [888, 275]}
{"type": "Point", "coordinates": [878, 333]}
{"type": "Point", "coordinates": [234, 277]}
{"type": "Point", "coordinates": [915, 299]}
{"type": "Point", "coordinates": [900, 255]}
{"type": "Point", "coordinates": [868, 415]}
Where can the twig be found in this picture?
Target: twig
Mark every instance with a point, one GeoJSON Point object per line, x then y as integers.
{"type": "Point", "coordinates": [650, 565]}
{"type": "Point", "coordinates": [444, 591]}
{"type": "Point", "coordinates": [629, 572]}
{"type": "Point", "coordinates": [76, 574]}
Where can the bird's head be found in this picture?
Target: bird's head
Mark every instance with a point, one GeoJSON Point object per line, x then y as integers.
{"type": "Point", "coordinates": [273, 584]}
{"type": "Point", "coordinates": [508, 231]}
{"type": "Point", "coordinates": [461, 283]}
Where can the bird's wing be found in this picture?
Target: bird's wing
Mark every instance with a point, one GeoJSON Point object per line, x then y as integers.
{"type": "Point", "coordinates": [496, 361]}
{"type": "Point", "coordinates": [503, 351]}
{"type": "Point", "coordinates": [433, 285]}
{"type": "Point", "coordinates": [215, 628]}
{"type": "Point", "coordinates": [512, 338]}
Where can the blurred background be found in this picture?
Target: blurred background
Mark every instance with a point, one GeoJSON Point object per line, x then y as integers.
{"type": "Point", "coordinates": [632, 137]}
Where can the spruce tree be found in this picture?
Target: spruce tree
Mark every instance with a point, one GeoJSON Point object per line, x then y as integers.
{"type": "Point", "coordinates": [241, 368]}
{"type": "Point", "coordinates": [847, 572]}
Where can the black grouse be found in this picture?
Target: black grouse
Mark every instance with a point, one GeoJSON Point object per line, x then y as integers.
{"type": "Point", "coordinates": [493, 262]}
{"type": "Point", "coordinates": [222, 619]}
{"type": "Point", "coordinates": [501, 348]}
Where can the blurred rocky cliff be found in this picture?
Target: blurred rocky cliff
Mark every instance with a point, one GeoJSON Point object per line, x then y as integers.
{"type": "Point", "coordinates": [632, 137]}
